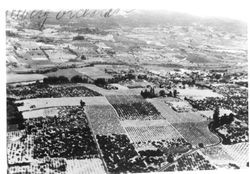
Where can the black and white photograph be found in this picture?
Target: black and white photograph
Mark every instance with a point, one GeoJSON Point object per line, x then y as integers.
{"type": "Point", "coordinates": [126, 90]}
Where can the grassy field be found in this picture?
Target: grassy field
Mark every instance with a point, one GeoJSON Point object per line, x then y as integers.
{"type": "Point", "coordinates": [196, 133]}
{"type": "Point", "coordinates": [40, 113]}
{"type": "Point", "coordinates": [64, 101]}
{"type": "Point", "coordinates": [93, 72]}
{"type": "Point", "coordinates": [104, 120]}
{"type": "Point", "coordinates": [174, 117]}
{"type": "Point", "coordinates": [198, 93]}
{"type": "Point", "coordinates": [14, 78]}
{"type": "Point", "coordinates": [143, 123]}
{"type": "Point", "coordinates": [86, 166]}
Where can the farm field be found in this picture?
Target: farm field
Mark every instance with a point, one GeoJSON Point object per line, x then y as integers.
{"type": "Point", "coordinates": [50, 112]}
{"type": "Point", "coordinates": [181, 106]}
{"type": "Point", "coordinates": [222, 159]}
{"type": "Point", "coordinates": [55, 165]}
{"type": "Point", "coordinates": [19, 151]}
{"type": "Point", "coordinates": [136, 84]}
{"type": "Point", "coordinates": [85, 166]}
{"type": "Point", "coordinates": [93, 72]}
{"type": "Point", "coordinates": [52, 140]}
{"type": "Point", "coordinates": [125, 91]}
{"type": "Point", "coordinates": [144, 123]}
{"type": "Point", "coordinates": [104, 120]}
{"type": "Point", "coordinates": [119, 154]}
{"type": "Point", "coordinates": [102, 90]}
{"type": "Point", "coordinates": [69, 73]}
{"type": "Point", "coordinates": [217, 154]}
{"type": "Point", "coordinates": [45, 91]}
{"type": "Point", "coordinates": [152, 133]}
{"type": "Point", "coordinates": [14, 78]}
{"type": "Point", "coordinates": [209, 113]}
{"type": "Point", "coordinates": [173, 117]}
{"type": "Point", "coordinates": [134, 108]}
{"type": "Point", "coordinates": [124, 99]}
{"type": "Point", "coordinates": [155, 153]}
{"type": "Point", "coordinates": [239, 152]}
{"type": "Point", "coordinates": [64, 101]}
{"type": "Point", "coordinates": [134, 111]}
{"type": "Point", "coordinates": [60, 55]}
{"type": "Point", "coordinates": [198, 93]}
{"type": "Point", "coordinates": [191, 162]}
{"type": "Point", "coordinates": [68, 135]}
{"type": "Point", "coordinates": [196, 133]}
{"type": "Point", "coordinates": [106, 92]}
{"type": "Point", "coordinates": [120, 87]}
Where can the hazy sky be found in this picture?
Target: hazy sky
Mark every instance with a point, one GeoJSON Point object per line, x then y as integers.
{"type": "Point", "coordinates": [236, 9]}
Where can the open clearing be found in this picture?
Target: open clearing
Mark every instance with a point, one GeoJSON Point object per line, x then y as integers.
{"type": "Point", "coordinates": [174, 117]}
{"type": "Point", "coordinates": [49, 112]}
{"type": "Point", "coordinates": [198, 93]}
{"type": "Point", "coordinates": [93, 72]}
{"type": "Point", "coordinates": [106, 92]}
{"type": "Point", "coordinates": [39, 103]}
{"type": "Point", "coordinates": [15, 78]}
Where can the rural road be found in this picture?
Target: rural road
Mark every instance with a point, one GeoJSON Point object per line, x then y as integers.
{"type": "Point", "coordinates": [163, 168]}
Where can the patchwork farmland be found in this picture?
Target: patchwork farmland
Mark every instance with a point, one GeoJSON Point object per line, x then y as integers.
{"type": "Point", "coordinates": [120, 92]}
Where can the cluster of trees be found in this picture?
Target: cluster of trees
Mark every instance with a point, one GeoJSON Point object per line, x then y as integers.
{"type": "Point", "coordinates": [100, 82]}
{"type": "Point", "coordinates": [141, 76]}
{"type": "Point", "coordinates": [75, 79]}
{"type": "Point", "coordinates": [186, 82]}
{"type": "Point", "coordinates": [11, 34]}
{"type": "Point", "coordinates": [13, 115]}
{"type": "Point", "coordinates": [79, 37]}
{"type": "Point", "coordinates": [148, 93]}
{"type": "Point", "coordinates": [78, 79]}
{"type": "Point", "coordinates": [63, 79]}
{"type": "Point", "coordinates": [56, 80]}
{"type": "Point", "coordinates": [173, 94]}
{"type": "Point", "coordinates": [44, 39]}
{"type": "Point", "coordinates": [151, 93]}
{"type": "Point", "coordinates": [118, 79]}
{"type": "Point", "coordinates": [83, 57]}
{"type": "Point", "coordinates": [82, 103]}
{"type": "Point", "coordinates": [225, 119]}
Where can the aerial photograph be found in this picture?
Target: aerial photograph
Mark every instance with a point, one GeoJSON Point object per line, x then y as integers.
{"type": "Point", "coordinates": [110, 91]}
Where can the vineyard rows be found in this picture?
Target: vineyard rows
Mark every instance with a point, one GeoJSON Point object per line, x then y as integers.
{"type": "Point", "coordinates": [154, 133]}
{"type": "Point", "coordinates": [196, 133]}
{"type": "Point", "coordinates": [124, 99]}
{"type": "Point", "coordinates": [86, 166]}
{"type": "Point", "coordinates": [133, 108]}
{"type": "Point", "coordinates": [239, 152]}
